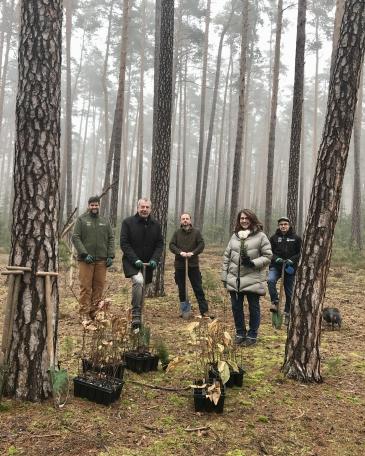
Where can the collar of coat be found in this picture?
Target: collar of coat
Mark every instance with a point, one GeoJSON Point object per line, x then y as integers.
{"type": "Point", "coordinates": [147, 220]}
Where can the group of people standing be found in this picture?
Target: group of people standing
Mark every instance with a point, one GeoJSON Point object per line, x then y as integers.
{"type": "Point", "coordinates": [244, 270]}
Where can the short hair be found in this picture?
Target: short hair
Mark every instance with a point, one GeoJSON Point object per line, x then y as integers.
{"type": "Point", "coordinates": [144, 199]}
{"type": "Point", "coordinates": [93, 199]}
{"type": "Point", "coordinates": [185, 213]}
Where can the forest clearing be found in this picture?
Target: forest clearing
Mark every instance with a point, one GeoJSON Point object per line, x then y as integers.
{"type": "Point", "coordinates": [269, 415]}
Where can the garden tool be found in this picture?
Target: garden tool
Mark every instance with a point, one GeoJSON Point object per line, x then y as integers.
{"type": "Point", "coordinates": [277, 317]}
{"type": "Point", "coordinates": [58, 377]}
{"type": "Point", "coordinates": [185, 307]}
{"type": "Point", "coordinates": [145, 265]}
{"type": "Point", "coordinates": [14, 274]}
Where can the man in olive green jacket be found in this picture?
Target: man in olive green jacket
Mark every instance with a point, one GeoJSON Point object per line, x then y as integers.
{"type": "Point", "coordinates": [93, 239]}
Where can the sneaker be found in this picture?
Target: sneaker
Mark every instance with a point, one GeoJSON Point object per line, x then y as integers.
{"type": "Point", "coordinates": [274, 306]}
{"type": "Point", "coordinates": [286, 318]}
{"type": "Point", "coordinates": [239, 340]}
{"type": "Point", "coordinates": [136, 324]}
{"type": "Point", "coordinates": [249, 341]}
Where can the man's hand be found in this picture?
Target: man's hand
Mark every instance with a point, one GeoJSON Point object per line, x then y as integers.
{"type": "Point", "coordinates": [89, 259]}
{"type": "Point", "coordinates": [138, 264]}
{"type": "Point", "coordinates": [183, 254]}
{"type": "Point", "coordinates": [279, 260]}
{"type": "Point", "coordinates": [189, 254]}
{"type": "Point", "coordinates": [109, 262]}
{"type": "Point", "coordinates": [153, 264]}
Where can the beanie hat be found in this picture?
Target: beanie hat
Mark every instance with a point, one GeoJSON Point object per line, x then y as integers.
{"type": "Point", "coordinates": [283, 219]}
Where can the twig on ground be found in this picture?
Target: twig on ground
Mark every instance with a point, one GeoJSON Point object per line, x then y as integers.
{"type": "Point", "coordinates": [163, 388]}
{"type": "Point", "coordinates": [197, 429]}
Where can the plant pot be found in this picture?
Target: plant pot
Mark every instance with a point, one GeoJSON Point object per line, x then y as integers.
{"type": "Point", "coordinates": [202, 403]}
{"type": "Point", "coordinates": [102, 391]}
{"type": "Point", "coordinates": [213, 373]}
{"type": "Point", "coordinates": [140, 362]}
{"type": "Point", "coordinates": [115, 370]}
{"type": "Point", "coordinates": [235, 379]}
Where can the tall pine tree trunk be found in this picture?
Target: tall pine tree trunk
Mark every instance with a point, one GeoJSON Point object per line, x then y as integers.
{"type": "Point", "coordinates": [36, 204]}
{"type": "Point", "coordinates": [302, 355]}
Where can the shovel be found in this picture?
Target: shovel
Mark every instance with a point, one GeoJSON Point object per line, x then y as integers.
{"type": "Point", "coordinates": [186, 306]}
{"type": "Point", "coordinates": [277, 317]}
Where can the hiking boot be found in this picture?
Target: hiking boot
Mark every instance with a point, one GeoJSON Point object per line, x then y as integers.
{"type": "Point", "coordinates": [136, 323]}
{"type": "Point", "coordinates": [249, 342]}
{"type": "Point", "coordinates": [286, 318]}
{"type": "Point", "coordinates": [239, 340]}
{"type": "Point", "coordinates": [274, 306]}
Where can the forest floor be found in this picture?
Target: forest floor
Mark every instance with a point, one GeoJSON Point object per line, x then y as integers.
{"type": "Point", "coordinates": [269, 415]}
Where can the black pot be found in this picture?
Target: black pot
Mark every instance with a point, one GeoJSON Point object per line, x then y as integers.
{"type": "Point", "coordinates": [140, 362]}
{"type": "Point", "coordinates": [213, 373]}
{"type": "Point", "coordinates": [101, 391]}
{"type": "Point", "coordinates": [111, 370]}
{"type": "Point", "coordinates": [202, 403]}
{"type": "Point", "coordinates": [235, 379]}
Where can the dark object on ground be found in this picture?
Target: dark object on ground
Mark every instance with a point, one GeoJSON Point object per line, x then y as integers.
{"type": "Point", "coordinates": [235, 379]}
{"type": "Point", "coordinates": [332, 316]}
{"type": "Point", "coordinates": [102, 391]}
{"type": "Point", "coordinates": [202, 402]}
{"type": "Point", "coordinates": [141, 361]}
{"type": "Point", "coordinates": [110, 370]}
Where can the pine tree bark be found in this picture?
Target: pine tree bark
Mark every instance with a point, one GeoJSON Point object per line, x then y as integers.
{"type": "Point", "coordinates": [272, 129]}
{"type": "Point", "coordinates": [302, 354]}
{"type": "Point", "coordinates": [296, 125]}
{"type": "Point", "coordinates": [240, 117]}
{"type": "Point", "coordinates": [36, 203]}
{"type": "Point", "coordinates": [140, 140]}
{"type": "Point", "coordinates": [161, 145]}
{"type": "Point", "coordinates": [68, 133]}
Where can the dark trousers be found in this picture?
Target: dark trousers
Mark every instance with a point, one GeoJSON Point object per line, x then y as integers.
{"type": "Point", "coordinates": [195, 278]}
{"type": "Point", "coordinates": [239, 315]}
{"type": "Point", "coordinates": [274, 276]}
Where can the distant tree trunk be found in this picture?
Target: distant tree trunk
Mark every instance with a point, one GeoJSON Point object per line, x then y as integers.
{"type": "Point", "coordinates": [356, 238]}
{"type": "Point", "coordinates": [302, 357]}
{"type": "Point", "coordinates": [161, 145]}
{"type": "Point", "coordinates": [301, 181]}
{"type": "Point", "coordinates": [202, 118]}
{"type": "Point", "coordinates": [211, 124]}
{"type": "Point", "coordinates": [36, 203]}
{"type": "Point", "coordinates": [105, 82]}
{"type": "Point", "coordinates": [184, 158]}
{"type": "Point", "coordinates": [315, 105]}
{"type": "Point", "coordinates": [68, 133]}
{"type": "Point", "coordinates": [83, 151]}
{"type": "Point", "coordinates": [116, 141]}
{"type": "Point", "coordinates": [4, 72]}
{"type": "Point", "coordinates": [178, 160]}
{"type": "Point", "coordinates": [140, 140]}
{"type": "Point", "coordinates": [240, 118]}
{"type": "Point", "coordinates": [294, 154]}
{"type": "Point", "coordinates": [220, 147]}
{"type": "Point", "coordinates": [272, 129]}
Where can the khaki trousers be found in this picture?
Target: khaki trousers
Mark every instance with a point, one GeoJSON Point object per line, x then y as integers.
{"type": "Point", "coordinates": [92, 281]}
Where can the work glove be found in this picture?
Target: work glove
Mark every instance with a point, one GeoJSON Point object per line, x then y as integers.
{"type": "Point", "coordinates": [289, 262]}
{"type": "Point", "coordinates": [153, 264]}
{"type": "Point", "coordinates": [109, 262]}
{"type": "Point", "coordinates": [89, 259]}
{"type": "Point", "coordinates": [138, 264]}
{"type": "Point", "coordinates": [279, 260]}
{"type": "Point", "coordinates": [246, 261]}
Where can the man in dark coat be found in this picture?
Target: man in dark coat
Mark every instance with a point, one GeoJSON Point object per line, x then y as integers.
{"type": "Point", "coordinates": [286, 251]}
{"type": "Point", "coordinates": [141, 242]}
{"type": "Point", "coordinates": [187, 242]}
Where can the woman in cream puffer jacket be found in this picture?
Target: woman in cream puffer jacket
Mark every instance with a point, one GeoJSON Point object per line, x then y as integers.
{"type": "Point", "coordinates": [244, 272]}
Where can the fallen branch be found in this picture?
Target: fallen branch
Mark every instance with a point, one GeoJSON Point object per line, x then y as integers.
{"type": "Point", "coordinates": [163, 388]}
{"type": "Point", "coordinates": [197, 429]}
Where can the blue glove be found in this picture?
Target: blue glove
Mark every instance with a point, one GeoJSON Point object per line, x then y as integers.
{"type": "Point", "coordinates": [153, 264]}
{"type": "Point", "coordinates": [109, 262]}
{"type": "Point", "coordinates": [289, 262]}
{"type": "Point", "coordinates": [138, 264]}
{"type": "Point", "coordinates": [279, 260]}
{"type": "Point", "coordinates": [89, 259]}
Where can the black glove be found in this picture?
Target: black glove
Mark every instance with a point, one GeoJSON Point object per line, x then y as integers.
{"type": "Point", "coordinates": [246, 261]}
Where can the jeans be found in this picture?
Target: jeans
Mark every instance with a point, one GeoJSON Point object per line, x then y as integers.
{"type": "Point", "coordinates": [137, 295]}
{"type": "Point", "coordinates": [195, 278]}
{"type": "Point", "coordinates": [239, 316]}
{"type": "Point", "coordinates": [274, 276]}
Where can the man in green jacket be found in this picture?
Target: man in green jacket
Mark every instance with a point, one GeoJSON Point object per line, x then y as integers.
{"type": "Point", "coordinates": [187, 242]}
{"type": "Point", "coordinates": [93, 239]}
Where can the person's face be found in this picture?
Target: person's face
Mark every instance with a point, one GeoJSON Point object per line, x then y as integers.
{"type": "Point", "coordinates": [284, 226]}
{"type": "Point", "coordinates": [245, 222]}
{"type": "Point", "coordinates": [94, 207]}
{"type": "Point", "coordinates": [144, 209]}
{"type": "Point", "coordinates": [185, 220]}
